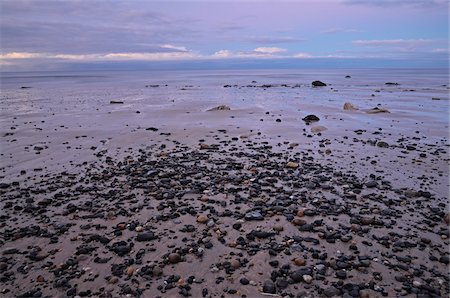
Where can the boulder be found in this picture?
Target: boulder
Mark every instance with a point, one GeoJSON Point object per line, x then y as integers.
{"type": "Point", "coordinates": [348, 106]}
{"type": "Point", "coordinates": [318, 84]}
{"type": "Point", "coordinates": [311, 118]}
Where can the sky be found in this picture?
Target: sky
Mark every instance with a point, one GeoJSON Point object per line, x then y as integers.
{"type": "Point", "coordinates": [115, 34]}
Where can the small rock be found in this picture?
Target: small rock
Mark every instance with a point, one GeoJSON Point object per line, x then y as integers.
{"type": "Point", "coordinates": [349, 107]}
{"type": "Point", "coordinates": [299, 261]}
{"type": "Point", "coordinates": [310, 118]}
{"type": "Point", "coordinates": [382, 144]}
{"type": "Point", "coordinates": [146, 236]}
{"type": "Point", "coordinates": [220, 108]}
{"type": "Point", "coordinates": [318, 84]}
{"type": "Point", "coordinates": [116, 102]}
{"type": "Point", "coordinates": [318, 128]}
{"type": "Point", "coordinates": [307, 278]}
{"type": "Point", "coordinates": [202, 219]}
{"type": "Point", "coordinates": [377, 110]}
{"type": "Point", "coordinates": [130, 271]}
{"type": "Point", "coordinates": [292, 165]}
{"type": "Point", "coordinates": [235, 264]}
{"type": "Point", "coordinates": [269, 287]}
{"type": "Point", "coordinates": [174, 258]}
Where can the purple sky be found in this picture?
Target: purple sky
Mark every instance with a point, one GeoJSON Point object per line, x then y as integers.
{"type": "Point", "coordinates": [52, 35]}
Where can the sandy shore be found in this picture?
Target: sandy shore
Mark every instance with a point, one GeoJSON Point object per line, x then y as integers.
{"type": "Point", "coordinates": [160, 197]}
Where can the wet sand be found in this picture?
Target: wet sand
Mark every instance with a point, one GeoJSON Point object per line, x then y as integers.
{"type": "Point", "coordinates": [160, 197]}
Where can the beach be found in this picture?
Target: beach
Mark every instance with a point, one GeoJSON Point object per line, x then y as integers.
{"type": "Point", "coordinates": [136, 183]}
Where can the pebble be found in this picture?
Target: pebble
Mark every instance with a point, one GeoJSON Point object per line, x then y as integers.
{"type": "Point", "coordinates": [174, 258]}
{"type": "Point", "coordinates": [202, 219]}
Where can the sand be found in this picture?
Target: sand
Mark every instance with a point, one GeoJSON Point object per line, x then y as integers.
{"type": "Point", "coordinates": [63, 136]}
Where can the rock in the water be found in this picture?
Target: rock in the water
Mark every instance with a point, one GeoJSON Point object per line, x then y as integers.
{"type": "Point", "coordinates": [311, 118]}
{"type": "Point", "coordinates": [220, 108]}
{"type": "Point", "coordinates": [116, 102]}
{"type": "Point", "coordinates": [348, 106]}
{"type": "Point", "coordinates": [318, 84]}
{"type": "Point", "coordinates": [318, 128]}
{"type": "Point", "coordinates": [377, 110]}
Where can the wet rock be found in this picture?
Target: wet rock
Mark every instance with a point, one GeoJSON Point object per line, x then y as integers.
{"type": "Point", "coordinates": [116, 102]}
{"type": "Point", "coordinates": [174, 258]}
{"type": "Point", "coordinates": [382, 144]}
{"type": "Point", "coordinates": [447, 218]}
{"type": "Point", "coordinates": [307, 278]}
{"type": "Point", "coordinates": [331, 292]}
{"type": "Point", "coordinates": [311, 118]}
{"type": "Point", "coordinates": [269, 287]}
{"type": "Point", "coordinates": [348, 106]}
{"type": "Point", "coordinates": [254, 215]}
{"type": "Point", "coordinates": [220, 108]}
{"type": "Point", "coordinates": [318, 84]}
{"type": "Point", "coordinates": [146, 236]}
{"type": "Point", "coordinates": [292, 165]}
{"type": "Point", "coordinates": [202, 218]}
{"type": "Point", "coordinates": [318, 128]}
{"type": "Point", "coordinates": [377, 110]}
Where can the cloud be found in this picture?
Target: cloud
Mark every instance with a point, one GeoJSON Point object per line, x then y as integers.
{"type": "Point", "coordinates": [392, 42]}
{"type": "Point", "coordinates": [440, 50]}
{"type": "Point", "coordinates": [172, 47]}
{"type": "Point", "coordinates": [273, 39]}
{"type": "Point", "coordinates": [269, 50]}
{"type": "Point", "coordinates": [341, 30]}
{"type": "Point", "coordinates": [302, 55]}
{"type": "Point", "coordinates": [390, 3]}
{"type": "Point", "coordinates": [156, 56]}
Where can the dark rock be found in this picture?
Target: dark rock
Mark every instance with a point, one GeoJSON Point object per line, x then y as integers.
{"type": "Point", "coordinates": [146, 236]}
{"type": "Point", "coordinates": [318, 84]}
{"type": "Point", "coordinates": [269, 287]}
{"type": "Point", "coordinates": [311, 118]}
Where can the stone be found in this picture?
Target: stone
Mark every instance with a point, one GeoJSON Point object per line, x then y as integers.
{"type": "Point", "coordinates": [146, 236]}
{"type": "Point", "coordinates": [382, 144]}
{"type": "Point", "coordinates": [254, 215]}
{"type": "Point", "coordinates": [331, 292]}
{"type": "Point", "coordinates": [318, 84]}
{"type": "Point", "coordinates": [377, 110]}
{"type": "Point", "coordinates": [311, 118]}
{"type": "Point", "coordinates": [220, 108]}
{"type": "Point", "coordinates": [348, 106]}
{"type": "Point", "coordinates": [318, 128]}
{"type": "Point", "coordinates": [292, 165]}
{"type": "Point", "coordinates": [130, 271]}
{"type": "Point", "coordinates": [202, 218]}
{"type": "Point", "coordinates": [278, 228]}
{"type": "Point", "coordinates": [447, 218]}
{"type": "Point", "coordinates": [307, 278]}
{"type": "Point", "coordinates": [116, 102]}
{"type": "Point", "coordinates": [299, 261]}
{"type": "Point", "coordinates": [174, 258]}
{"type": "Point", "coordinates": [235, 264]}
{"type": "Point", "coordinates": [269, 287]}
